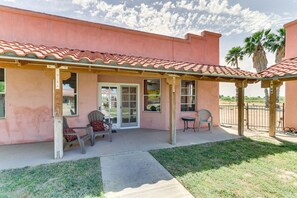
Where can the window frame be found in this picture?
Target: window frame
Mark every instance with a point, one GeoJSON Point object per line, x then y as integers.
{"type": "Point", "coordinates": [143, 95]}
{"type": "Point", "coordinates": [76, 94]}
{"type": "Point", "coordinates": [195, 95]}
{"type": "Point", "coordinates": [5, 88]}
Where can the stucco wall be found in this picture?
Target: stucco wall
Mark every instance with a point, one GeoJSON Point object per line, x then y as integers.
{"type": "Point", "coordinates": [291, 86]}
{"type": "Point", "coordinates": [29, 93]}
{"type": "Point", "coordinates": [291, 39]}
{"type": "Point", "coordinates": [207, 98]}
{"type": "Point", "coordinates": [37, 28]}
{"type": "Point", "coordinates": [87, 99]}
{"type": "Point", "coordinates": [29, 113]}
{"type": "Point", "coordinates": [28, 107]}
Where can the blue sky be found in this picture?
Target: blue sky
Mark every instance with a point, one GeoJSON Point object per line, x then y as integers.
{"type": "Point", "coordinates": [234, 19]}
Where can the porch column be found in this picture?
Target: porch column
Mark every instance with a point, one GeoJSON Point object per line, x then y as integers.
{"type": "Point", "coordinates": [272, 107]}
{"type": "Point", "coordinates": [58, 77]}
{"type": "Point", "coordinates": [240, 85]}
{"type": "Point", "coordinates": [172, 81]}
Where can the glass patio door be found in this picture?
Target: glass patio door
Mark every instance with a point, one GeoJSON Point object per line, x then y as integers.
{"type": "Point", "coordinates": [108, 104]}
{"type": "Point", "coordinates": [129, 106]}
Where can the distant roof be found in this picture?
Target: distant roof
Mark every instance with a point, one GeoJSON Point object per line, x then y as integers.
{"type": "Point", "coordinates": [15, 50]}
{"type": "Point", "coordinates": [285, 69]}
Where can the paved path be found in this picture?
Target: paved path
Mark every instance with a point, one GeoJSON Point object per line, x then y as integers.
{"type": "Point", "coordinates": [138, 174]}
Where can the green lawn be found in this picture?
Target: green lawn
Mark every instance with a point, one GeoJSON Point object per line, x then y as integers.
{"type": "Point", "coordinates": [80, 178]}
{"type": "Point", "coordinates": [258, 167]}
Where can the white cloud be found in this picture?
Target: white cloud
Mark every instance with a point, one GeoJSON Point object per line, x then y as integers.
{"type": "Point", "coordinates": [176, 18]}
{"type": "Point", "coordinates": [79, 11]}
{"type": "Point", "coordinates": [85, 4]}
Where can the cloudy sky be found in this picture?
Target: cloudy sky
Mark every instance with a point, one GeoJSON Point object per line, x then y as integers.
{"type": "Point", "coordinates": [234, 19]}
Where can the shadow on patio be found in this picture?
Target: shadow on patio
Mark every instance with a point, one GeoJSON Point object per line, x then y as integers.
{"type": "Point", "coordinates": [124, 141]}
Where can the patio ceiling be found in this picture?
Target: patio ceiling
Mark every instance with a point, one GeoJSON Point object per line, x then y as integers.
{"type": "Point", "coordinates": [93, 60]}
{"type": "Point", "coordinates": [284, 71]}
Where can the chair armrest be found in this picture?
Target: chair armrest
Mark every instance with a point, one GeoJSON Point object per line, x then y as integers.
{"type": "Point", "coordinates": [78, 127]}
{"type": "Point", "coordinates": [75, 133]}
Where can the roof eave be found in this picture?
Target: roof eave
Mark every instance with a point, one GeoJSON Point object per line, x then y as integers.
{"type": "Point", "coordinates": [47, 61]}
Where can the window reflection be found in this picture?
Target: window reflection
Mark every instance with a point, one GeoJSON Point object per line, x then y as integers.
{"type": "Point", "coordinates": [188, 95]}
{"type": "Point", "coordinates": [2, 93]}
{"type": "Point", "coordinates": [152, 95]}
{"type": "Point", "coordinates": [70, 95]}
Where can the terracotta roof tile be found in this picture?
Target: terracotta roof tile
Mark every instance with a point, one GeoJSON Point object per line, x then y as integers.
{"type": "Point", "coordinates": [286, 68]}
{"type": "Point", "coordinates": [75, 55]}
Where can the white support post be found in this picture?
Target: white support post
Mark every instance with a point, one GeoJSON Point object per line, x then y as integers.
{"type": "Point", "coordinates": [55, 73]}
{"type": "Point", "coordinates": [58, 116]}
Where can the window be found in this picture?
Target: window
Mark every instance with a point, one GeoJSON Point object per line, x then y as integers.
{"type": "Point", "coordinates": [188, 95]}
{"type": "Point", "coordinates": [70, 95]}
{"type": "Point", "coordinates": [152, 95]}
{"type": "Point", "coordinates": [2, 93]}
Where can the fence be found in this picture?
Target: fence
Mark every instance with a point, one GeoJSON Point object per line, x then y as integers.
{"type": "Point", "coordinates": [255, 116]}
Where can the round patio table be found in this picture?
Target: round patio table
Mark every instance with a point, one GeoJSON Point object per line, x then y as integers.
{"type": "Point", "coordinates": [188, 119]}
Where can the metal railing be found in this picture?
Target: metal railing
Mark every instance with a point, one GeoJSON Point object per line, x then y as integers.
{"type": "Point", "coordinates": [255, 116]}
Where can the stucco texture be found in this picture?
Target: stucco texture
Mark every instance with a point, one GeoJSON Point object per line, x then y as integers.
{"type": "Point", "coordinates": [29, 96]}
{"type": "Point", "coordinates": [291, 86]}
{"type": "Point", "coordinates": [206, 98]}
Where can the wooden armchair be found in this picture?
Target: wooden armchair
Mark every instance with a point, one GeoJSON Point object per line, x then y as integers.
{"type": "Point", "coordinates": [72, 137]}
{"type": "Point", "coordinates": [99, 126]}
{"type": "Point", "coordinates": [204, 116]}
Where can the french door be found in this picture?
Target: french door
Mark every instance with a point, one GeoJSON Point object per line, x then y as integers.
{"type": "Point", "coordinates": [129, 109]}
{"type": "Point", "coordinates": [120, 104]}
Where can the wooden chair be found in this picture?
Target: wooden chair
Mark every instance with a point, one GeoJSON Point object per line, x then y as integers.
{"type": "Point", "coordinates": [204, 116]}
{"type": "Point", "coordinates": [106, 129]}
{"type": "Point", "coordinates": [72, 137]}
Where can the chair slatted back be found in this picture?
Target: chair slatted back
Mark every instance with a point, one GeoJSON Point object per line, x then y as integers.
{"type": "Point", "coordinates": [203, 115]}
{"type": "Point", "coordinates": [95, 116]}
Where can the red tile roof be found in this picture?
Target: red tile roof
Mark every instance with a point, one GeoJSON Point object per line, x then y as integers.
{"type": "Point", "coordinates": [118, 61]}
{"type": "Point", "coordinates": [286, 68]}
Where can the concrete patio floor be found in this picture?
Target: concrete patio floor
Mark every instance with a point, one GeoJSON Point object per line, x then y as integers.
{"type": "Point", "coordinates": [124, 141]}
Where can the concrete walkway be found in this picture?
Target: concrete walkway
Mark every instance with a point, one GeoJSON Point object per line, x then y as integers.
{"type": "Point", "coordinates": [138, 174]}
{"type": "Point", "coordinates": [124, 141]}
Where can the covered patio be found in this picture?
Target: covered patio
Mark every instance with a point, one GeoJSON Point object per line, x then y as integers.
{"type": "Point", "coordinates": [274, 77]}
{"type": "Point", "coordinates": [59, 63]}
{"type": "Point", "coordinates": [124, 141]}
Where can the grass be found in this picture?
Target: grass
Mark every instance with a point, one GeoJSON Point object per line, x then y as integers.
{"type": "Point", "coordinates": [80, 178]}
{"type": "Point", "coordinates": [258, 167]}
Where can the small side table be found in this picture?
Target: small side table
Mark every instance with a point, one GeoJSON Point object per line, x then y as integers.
{"type": "Point", "coordinates": [188, 119]}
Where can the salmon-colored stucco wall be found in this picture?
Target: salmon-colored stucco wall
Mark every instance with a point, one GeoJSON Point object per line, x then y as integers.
{"type": "Point", "coordinates": [87, 99]}
{"type": "Point", "coordinates": [49, 30]}
{"type": "Point", "coordinates": [29, 113]}
{"type": "Point", "coordinates": [29, 117]}
{"type": "Point", "coordinates": [291, 39]}
{"type": "Point", "coordinates": [160, 120]}
{"type": "Point", "coordinates": [153, 120]}
{"type": "Point", "coordinates": [291, 86]}
{"type": "Point", "coordinates": [28, 107]}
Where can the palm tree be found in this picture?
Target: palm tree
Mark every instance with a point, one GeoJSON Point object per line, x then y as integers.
{"type": "Point", "coordinates": [276, 44]}
{"type": "Point", "coordinates": [233, 55]}
{"type": "Point", "coordinates": [255, 45]}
